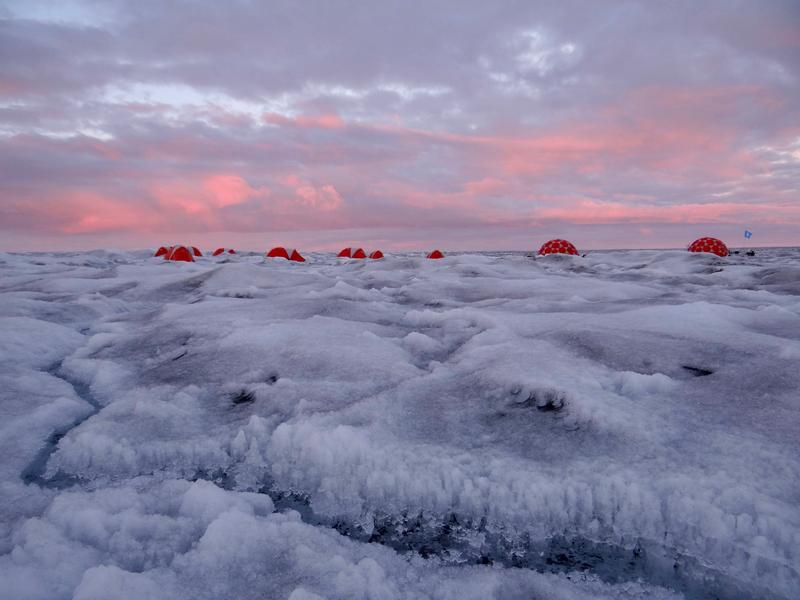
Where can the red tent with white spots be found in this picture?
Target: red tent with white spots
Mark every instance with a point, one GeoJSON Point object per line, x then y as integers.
{"type": "Point", "coordinates": [709, 244]}
{"type": "Point", "coordinates": [376, 254]}
{"type": "Point", "coordinates": [435, 254]}
{"type": "Point", "coordinates": [219, 251]}
{"type": "Point", "coordinates": [281, 252]}
{"type": "Point", "coordinates": [179, 253]}
{"type": "Point", "coordinates": [558, 246]}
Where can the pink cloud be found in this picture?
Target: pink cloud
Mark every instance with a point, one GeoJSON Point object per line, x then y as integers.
{"type": "Point", "coordinates": [82, 212]}
{"type": "Point", "coordinates": [324, 198]}
{"type": "Point", "coordinates": [199, 200]}
{"type": "Point", "coordinates": [590, 211]}
{"type": "Point", "coordinates": [297, 191]}
{"type": "Point", "coordinates": [602, 168]}
{"type": "Point", "coordinates": [228, 189]}
{"type": "Point", "coordinates": [485, 186]}
{"type": "Point", "coordinates": [671, 130]}
{"type": "Point", "coordinates": [324, 121]}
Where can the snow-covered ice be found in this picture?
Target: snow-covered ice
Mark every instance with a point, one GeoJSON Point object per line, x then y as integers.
{"type": "Point", "coordinates": [620, 425]}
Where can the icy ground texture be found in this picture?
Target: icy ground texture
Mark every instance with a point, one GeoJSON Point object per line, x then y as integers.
{"type": "Point", "coordinates": [624, 425]}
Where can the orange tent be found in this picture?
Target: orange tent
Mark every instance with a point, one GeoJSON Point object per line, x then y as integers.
{"type": "Point", "coordinates": [281, 252]}
{"type": "Point", "coordinates": [179, 253]}
{"type": "Point", "coordinates": [278, 252]}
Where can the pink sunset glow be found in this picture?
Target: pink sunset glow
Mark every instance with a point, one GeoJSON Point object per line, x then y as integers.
{"type": "Point", "coordinates": [619, 124]}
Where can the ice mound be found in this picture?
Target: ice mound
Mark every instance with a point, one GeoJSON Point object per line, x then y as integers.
{"type": "Point", "coordinates": [176, 539]}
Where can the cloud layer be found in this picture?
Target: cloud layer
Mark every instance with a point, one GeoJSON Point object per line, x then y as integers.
{"type": "Point", "coordinates": [464, 124]}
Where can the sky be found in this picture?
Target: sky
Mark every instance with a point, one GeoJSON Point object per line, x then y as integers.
{"type": "Point", "coordinates": [465, 125]}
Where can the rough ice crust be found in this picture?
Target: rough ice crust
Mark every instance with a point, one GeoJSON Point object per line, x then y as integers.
{"type": "Point", "coordinates": [627, 421]}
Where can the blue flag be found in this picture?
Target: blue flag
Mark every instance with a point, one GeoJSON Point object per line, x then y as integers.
{"type": "Point", "coordinates": [748, 234]}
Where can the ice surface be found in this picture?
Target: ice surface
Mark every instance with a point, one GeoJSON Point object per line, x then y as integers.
{"type": "Point", "coordinates": [622, 425]}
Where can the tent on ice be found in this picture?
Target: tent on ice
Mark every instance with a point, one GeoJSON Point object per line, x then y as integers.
{"type": "Point", "coordinates": [358, 253]}
{"type": "Point", "coordinates": [219, 251]}
{"type": "Point", "coordinates": [163, 250]}
{"type": "Point", "coordinates": [558, 246]}
{"type": "Point", "coordinates": [709, 244]}
{"type": "Point", "coordinates": [350, 253]}
{"type": "Point", "coordinates": [179, 253]}
{"type": "Point", "coordinates": [281, 252]}
{"type": "Point", "coordinates": [435, 254]}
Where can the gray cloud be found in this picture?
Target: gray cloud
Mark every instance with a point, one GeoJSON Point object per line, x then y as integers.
{"type": "Point", "coordinates": [459, 113]}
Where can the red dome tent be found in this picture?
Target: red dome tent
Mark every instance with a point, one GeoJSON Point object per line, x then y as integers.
{"type": "Point", "coordinates": [359, 253]}
{"type": "Point", "coordinates": [179, 253]}
{"type": "Point", "coordinates": [162, 251]}
{"type": "Point", "coordinates": [376, 254]}
{"type": "Point", "coordinates": [219, 251]}
{"type": "Point", "coordinates": [558, 247]}
{"type": "Point", "coordinates": [295, 256]}
{"type": "Point", "coordinates": [196, 251]}
{"type": "Point", "coordinates": [345, 253]}
{"type": "Point", "coordinates": [435, 254]}
{"type": "Point", "coordinates": [709, 244]}
{"type": "Point", "coordinates": [281, 252]}
{"type": "Point", "coordinates": [278, 252]}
